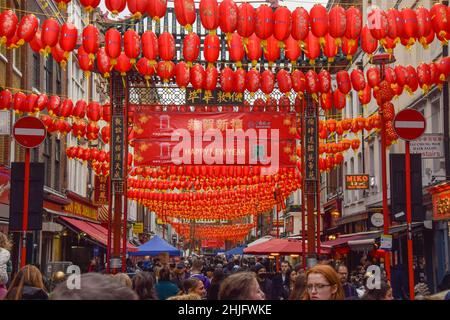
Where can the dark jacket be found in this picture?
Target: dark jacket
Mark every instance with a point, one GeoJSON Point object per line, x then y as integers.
{"type": "Point", "coordinates": [213, 291]}
{"type": "Point", "coordinates": [349, 290]}
{"type": "Point", "coordinates": [166, 289]}
{"type": "Point", "coordinates": [281, 289]}
{"type": "Point", "coordinates": [267, 287]}
{"type": "Point", "coordinates": [31, 293]}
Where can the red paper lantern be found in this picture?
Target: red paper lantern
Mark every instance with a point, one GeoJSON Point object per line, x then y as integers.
{"type": "Point", "coordinates": [365, 96]}
{"type": "Point", "coordinates": [79, 111]}
{"type": "Point", "coordinates": [292, 50]}
{"type": "Point", "coordinates": [410, 27]}
{"type": "Point", "coordinates": [228, 13]}
{"type": "Point", "coordinates": [104, 65]}
{"type": "Point", "coordinates": [91, 40]}
{"type": "Point", "coordinates": [254, 49]}
{"type": "Point", "coordinates": [325, 81]}
{"type": "Point", "coordinates": [197, 77]}
{"type": "Point", "coordinates": [185, 13]}
{"type": "Point", "coordinates": [272, 52]}
{"type": "Point", "coordinates": [58, 56]}
{"type": "Point", "coordinates": [156, 9]}
{"type": "Point", "coordinates": [165, 70]}
{"type": "Point", "coordinates": [246, 18]}
{"type": "Point", "coordinates": [439, 20]}
{"type": "Point", "coordinates": [115, 6]}
{"type": "Point", "coordinates": [30, 103]}
{"type": "Point", "coordinates": [298, 81]}
{"type": "Point", "coordinates": [424, 76]}
{"type": "Point", "coordinates": [312, 48]}
{"type": "Point", "coordinates": [239, 81]}
{"type": "Point", "coordinates": [373, 77]}
{"type": "Point", "coordinates": [182, 75]}
{"type": "Point", "coordinates": [89, 5]}
{"type": "Point", "coordinates": [337, 23]}
{"type": "Point", "coordinates": [330, 49]}
{"type": "Point", "coordinates": [226, 79]}
{"type": "Point", "coordinates": [312, 82]}
{"type": "Point", "coordinates": [395, 24]}
{"type": "Point", "coordinates": [137, 8]}
{"type": "Point", "coordinates": [354, 25]}
{"type": "Point", "coordinates": [267, 82]}
{"type": "Point", "coordinates": [434, 72]}
{"type": "Point", "coordinates": [65, 109]}
{"type": "Point", "coordinates": [211, 76]}
{"type": "Point", "coordinates": [113, 46]}
{"type": "Point", "coordinates": [284, 81]}
{"type": "Point", "coordinates": [413, 82]}
{"type": "Point", "coordinates": [6, 98]}
{"type": "Point", "coordinates": [326, 101]}
{"type": "Point", "coordinates": [144, 68]}
{"type": "Point", "coordinates": [236, 49]}
{"type": "Point", "coordinates": [264, 22]}
{"type": "Point", "coordinates": [212, 48]}
{"type": "Point", "coordinates": [348, 48]}
{"type": "Point", "coordinates": [300, 24]}
{"type": "Point", "coordinates": [92, 131]}
{"type": "Point", "coordinates": [49, 33]}
{"type": "Point", "coordinates": [343, 81]}
{"type": "Point", "coordinates": [105, 133]}
{"type": "Point", "coordinates": [319, 21]}
{"type": "Point", "coordinates": [123, 64]}
{"type": "Point", "coordinates": [8, 25]}
{"type": "Point", "coordinates": [358, 80]}
{"type": "Point", "coordinates": [27, 28]}
{"type": "Point", "coordinates": [150, 46]}
{"type": "Point", "coordinates": [377, 23]}
{"type": "Point", "coordinates": [339, 100]}
{"type": "Point", "coordinates": [368, 43]}
{"type": "Point", "coordinates": [282, 23]}
{"type": "Point", "coordinates": [53, 104]}
{"type": "Point", "coordinates": [209, 14]}
{"type": "Point", "coordinates": [443, 66]}
{"type": "Point", "coordinates": [106, 112]}
{"type": "Point", "coordinates": [132, 45]}
{"type": "Point", "coordinates": [68, 38]}
{"type": "Point", "coordinates": [191, 48]}
{"type": "Point", "coordinates": [423, 24]}
{"type": "Point", "coordinates": [84, 62]}
{"type": "Point", "coordinates": [19, 102]}
{"type": "Point", "coordinates": [94, 111]}
{"type": "Point", "coordinates": [166, 46]}
{"type": "Point", "coordinates": [252, 81]}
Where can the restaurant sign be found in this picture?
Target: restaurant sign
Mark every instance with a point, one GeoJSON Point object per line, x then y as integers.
{"type": "Point", "coordinates": [82, 210]}
{"type": "Point", "coordinates": [357, 181]}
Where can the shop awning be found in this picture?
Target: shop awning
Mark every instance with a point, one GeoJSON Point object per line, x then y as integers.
{"type": "Point", "coordinates": [353, 239]}
{"type": "Point", "coordinates": [279, 246]}
{"type": "Point", "coordinates": [95, 231]}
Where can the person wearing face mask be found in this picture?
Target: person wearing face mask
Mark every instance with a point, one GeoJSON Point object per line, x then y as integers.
{"type": "Point", "coordinates": [264, 282]}
{"type": "Point", "coordinates": [323, 283]}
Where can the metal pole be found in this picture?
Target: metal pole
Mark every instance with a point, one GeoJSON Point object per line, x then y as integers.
{"type": "Point", "coordinates": [108, 243]}
{"type": "Point", "coordinates": [318, 216]}
{"type": "Point", "coordinates": [408, 220]}
{"type": "Point", "coordinates": [26, 191]}
{"type": "Point", "coordinates": [278, 226]}
{"type": "Point", "coordinates": [125, 193]}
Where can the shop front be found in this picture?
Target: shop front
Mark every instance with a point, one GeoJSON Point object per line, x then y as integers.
{"type": "Point", "coordinates": [5, 177]}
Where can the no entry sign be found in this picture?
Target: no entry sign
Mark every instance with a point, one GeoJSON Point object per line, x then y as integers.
{"type": "Point", "coordinates": [29, 132]}
{"type": "Point", "coordinates": [409, 124]}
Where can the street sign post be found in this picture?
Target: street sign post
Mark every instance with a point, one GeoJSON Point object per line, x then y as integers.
{"type": "Point", "coordinates": [29, 132]}
{"type": "Point", "coordinates": [410, 125]}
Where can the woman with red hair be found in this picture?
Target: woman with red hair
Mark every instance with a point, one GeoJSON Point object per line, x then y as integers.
{"type": "Point", "coordinates": [322, 283]}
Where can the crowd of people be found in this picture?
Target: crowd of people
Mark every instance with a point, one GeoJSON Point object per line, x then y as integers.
{"type": "Point", "coordinates": [197, 278]}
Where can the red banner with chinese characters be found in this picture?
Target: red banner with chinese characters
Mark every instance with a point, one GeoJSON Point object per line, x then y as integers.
{"type": "Point", "coordinates": [101, 190]}
{"type": "Point", "coordinates": [220, 244]}
{"type": "Point", "coordinates": [269, 153]}
{"type": "Point", "coordinates": [162, 125]}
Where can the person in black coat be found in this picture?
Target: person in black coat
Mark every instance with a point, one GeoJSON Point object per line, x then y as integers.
{"type": "Point", "coordinates": [213, 290]}
{"type": "Point", "coordinates": [265, 283]}
{"type": "Point", "coordinates": [282, 282]}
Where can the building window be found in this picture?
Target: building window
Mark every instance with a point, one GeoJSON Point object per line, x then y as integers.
{"type": "Point", "coordinates": [36, 71]}
{"type": "Point", "coordinates": [49, 76]}
{"type": "Point", "coordinates": [57, 164]}
{"type": "Point", "coordinates": [58, 80]}
{"type": "Point", "coordinates": [47, 161]}
{"type": "Point", "coordinates": [360, 171]}
{"type": "Point", "coordinates": [352, 171]}
{"type": "Point", "coordinates": [346, 191]}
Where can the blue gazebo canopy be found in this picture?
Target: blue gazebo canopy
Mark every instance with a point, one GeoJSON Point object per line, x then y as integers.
{"type": "Point", "coordinates": [238, 250]}
{"type": "Point", "coordinates": [154, 247]}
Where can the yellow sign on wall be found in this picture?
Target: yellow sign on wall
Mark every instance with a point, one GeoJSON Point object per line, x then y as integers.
{"type": "Point", "coordinates": [138, 227]}
{"type": "Point", "coordinates": [82, 210]}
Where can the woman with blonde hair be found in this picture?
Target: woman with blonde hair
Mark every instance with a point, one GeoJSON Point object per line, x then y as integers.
{"type": "Point", "coordinates": [27, 285]}
{"type": "Point", "coordinates": [5, 247]}
{"type": "Point", "coordinates": [322, 283]}
{"type": "Point", "coordinates": [123, 279]}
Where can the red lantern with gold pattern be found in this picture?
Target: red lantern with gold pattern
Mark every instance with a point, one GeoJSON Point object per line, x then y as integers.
{"type": "Point", "coordinates": [325, 81]}
{"type": "Point", "coordinates": [264, 21]}
{"type": "Point", "coordinates": [252, 81]}
{"type": "Point", "coordinates": [144, 68]}
{"type": "Point", "coordinates": [92, 131]}
{"type": "Point", "coordinates": [228, 14]}
{"type": "Point", "coordinates": [156, 9]}
{"type": "Point", "coordinates": [443, 66]}
{"type": "Point", "coordinates": [185, 13]}
{"type": "Point", "coordinates": [116, 6]}
{"type": "Point", "coordinates": [312, 48]}
{"type": "Point", "coordinates": [348, 49]}
{"type": "Point", "coordinates": [298, 81]}
{"type": "Point", "coordinates": [166, 70]}
{"type": "Point", "coordinates": [300, 24]}
{"type": "Point", "coordinates": [8, 25]}
{"type": "Point", "coordinates": [413, 82]}
{"type": "Point", "coordinates": [239, 81]}
{"type": "Point", "coordinates": [53, 104]}
{"type": "Point", "coordinates": [312, 82]}
{"type": "Point", "coordinates": [267, 82]}
{"type": "Point", "coordinates": [365, 96]}
{"type": "Point", "coordinates": [253, 49]}
{"type": "Point", "coordinates": [337, 23]}
{"type": "Point", "coordinates": [65, 109]}
{"type": "Point", "coordinates": [373, 77]}
{"type": "Point", "coordinates": [284, 81]}
{"type": "Point", "coordinates": [191, 47]}
{"type": "Point", "coordinates": [354, 25]}
{"type": "Point", "coordinates": [123, 64]}
{"type": "Point", "coordinates": [106, 112]}
{"type": "Point", "coordinates": [79, 111]}
{"type": "Point", "coordinates": [377, 23]}
{"type": "Point", "coordinates": [423, 24]}
{"type": "Point", "coordinates": [358, 80]}
{"type": "Point", "coordinates": [6, 98]}
{"type": "Point", "coordinates": [319, 21]}
{"type": "Point", "coordinates": [132, 45]}
{"type": "Point", "coordinates": [211, 48]}
{"type": "Point", "coordinates": [58, 56]}
{"type": "Point", "coordinates": [209, 14]}
{"type": "Point", "coordinates": [272, 52]}
{"type": "Point", "coordinates": [326, 101]}
{"type": "Point", "coordinates": [113, 45]}
{"type": "Point", "coordinates": [27, 28]}
{"type": "Point", "coordinates": [330, 49]}
{"type": "Point", "coordinates": [396, 24]}
{"type": "Point", "coordinates": [292, 50]}
{"type": "Point", "coordinates": [368, 43]}
{"type": "Point", "coordinates": [282, 21]}
{"type": "Point", "coordinates": [197, 77]}
{"type": "Point", "coordinates": [89, 5]}
{"type": "Point", "coordinates": [68, 37]}
{"type": "Point", "coordinates": [439, 20]}
{"type": "Point", "coordinates": [236, 48]}
{"type": "Point", "coordinates": [137, 8]}
{"type": "Point", "coordinates": [94, 111]}
{"type": "Point", "coordinates": [226, 79]}
{"type": "Point", "coordinates": [91, 40]}
{"type": "Point", "coordinates": [339, 100]}
{"type": "Point", "coordinates": [105, 133]}
{"type": "Point", "coordinates": [246, 18]}
{"type": "Point", "coordinates": [84, 62]}
{"type": "Point", "coordinates": [211, 76]}
{"type": "Point", "coordinates": [150, 46]}
{"type": "Point", "coordinates": [182, 74]}
{"type": "Point", "coordinates": [166, 46]}
{"type": "Point", "coordinates": [343, 81]}
{"type": "Point", "coordinates": [424, 76]}
{"type": "Point", "coordinates": [50, 33]}
{"type": "Point", "coordinates": [29, 104]}
{"type": "Point", "coordinates": [410, 27]}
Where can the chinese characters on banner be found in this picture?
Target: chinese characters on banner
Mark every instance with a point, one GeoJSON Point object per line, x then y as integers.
{"type": "Point", "coordinates": [101, 190]}
{"type": "Point", "coordinates": [117, 145]}
{"type": "Point", "coordinates": [215, 97]}
{"type": "Point", "coordinates": [311, 148]}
